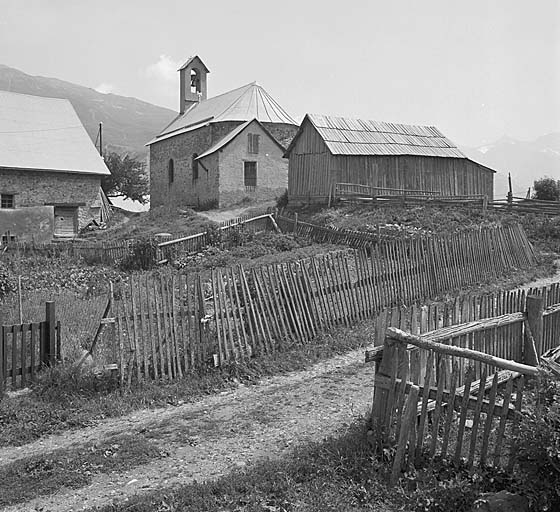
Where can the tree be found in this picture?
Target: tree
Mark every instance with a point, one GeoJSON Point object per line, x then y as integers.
{"type": "Point", "coordinates": [546, 189]}
{"type": "Point", "coordinates": [128, 178]}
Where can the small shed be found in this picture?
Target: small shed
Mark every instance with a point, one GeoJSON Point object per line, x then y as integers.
{"type": "Point", "coordinates": [328, 150]}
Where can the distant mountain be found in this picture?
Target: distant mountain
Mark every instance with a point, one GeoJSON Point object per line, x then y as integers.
{"type": "Point", "coordinates": [128, 123]}
{"type": "Point", "coordinates": [526, 161]}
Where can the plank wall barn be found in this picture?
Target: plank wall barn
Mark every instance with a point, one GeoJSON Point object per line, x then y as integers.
{"type": "Point", "coordinates": [329, 150]}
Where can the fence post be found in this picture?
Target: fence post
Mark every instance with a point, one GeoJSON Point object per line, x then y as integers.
{"type": "Point", "coordinates": [535, 310]}
{"type": "Point", "coordinates": [295, 223]}
{"type": "Point", "coordinates": [48, 340]}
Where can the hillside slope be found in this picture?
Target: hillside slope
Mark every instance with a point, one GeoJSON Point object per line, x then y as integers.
{"type": "Point", "coordinates": [128, 123]}
{"type": "Point", "coordinates": [525, 160]}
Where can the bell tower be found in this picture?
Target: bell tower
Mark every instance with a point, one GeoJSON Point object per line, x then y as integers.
{"type": "Point", "coordinates": [193, 84]}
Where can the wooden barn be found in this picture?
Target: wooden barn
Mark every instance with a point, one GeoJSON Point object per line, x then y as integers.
{"type": "Point", "coordinates": [329, 150]}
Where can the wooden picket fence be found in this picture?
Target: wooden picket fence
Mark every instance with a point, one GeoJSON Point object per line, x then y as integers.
{"type": "Point", "coordinates": [25, 348]}
{"type": "Point", "coordinates": [424, 266]}
{"type": "Point", "coordinates": [230, 236]}
{"type": "Point", "coordinates": [233, 313]}
{"type": "Point", "coordinates": [169, 246]}
{"type": "Point", "coordinates": [450, 370]}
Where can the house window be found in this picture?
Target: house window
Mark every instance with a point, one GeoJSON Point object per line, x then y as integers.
{"type": "Point", "coordinates": [194, 167]}
{"type": "Point", "coordinates": [253, 144]}
{"type": "Point", "coordinates": [171, 171]}
{"type": "Point", "coordinates": [250, 175]}
{"type": "Point", "coordinates": [7, 201]}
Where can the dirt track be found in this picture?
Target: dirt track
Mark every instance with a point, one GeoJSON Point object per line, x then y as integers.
{"type": "Point", "coordinates": [206, 439]}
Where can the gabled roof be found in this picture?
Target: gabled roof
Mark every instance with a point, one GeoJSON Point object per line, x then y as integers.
{"type": "Point", "coordinates": [243, 104]}
{"type": "Point", "coordinates": [45, 134]}
{"type": "Point", "coordinates": [344, 136]}
{"type": "Point", "coordinates": [234, 133]}
{"type": "Point", "coordinates": [192, 59]}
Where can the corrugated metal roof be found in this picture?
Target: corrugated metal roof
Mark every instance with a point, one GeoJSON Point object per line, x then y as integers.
{"type": "Point", "coordinates": [45, 134]}
{"type": "Point", "coordinates": [243, 104]}
{"type": "Point", "coordinates": [344, 136]}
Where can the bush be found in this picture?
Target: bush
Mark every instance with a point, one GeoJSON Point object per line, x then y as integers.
{"type": "Point", "coordinates": [546, 189]}
{"type": "Point", "coordinates": [538, 449]}
{"type": "Point", "coordinates": [142, 256]}
{"type": "Point", "coordinates": [282, 201]}
{"type": "Point", "coordinates": [7, 281]}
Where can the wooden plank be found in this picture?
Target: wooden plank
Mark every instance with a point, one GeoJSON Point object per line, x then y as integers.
{"type": "Point", "coordinates": [489, 421]}
{"type": "Point", "coordinates": [159, 330]}
{"type": "Point", "coordinates": [245, 345]}
{"type": "Point", "coordinates": [150, 327]}
{"type": "Point", "coordinates": [450, 409]}
{"type": "Point", "coordinates": [463, 415]}
{"type": "Point", "coordinates": [166, 330]}
{"type": "Point", "coordinates": [503, 419]}
{"type": "Point", "coordinates": [476, 419]}
{"type": "Point", "coordinates": [176, 328]}
{"type": "Point", "coordinates": [409, 417]}
{"type": "Point", "coordinates": [437, 411]}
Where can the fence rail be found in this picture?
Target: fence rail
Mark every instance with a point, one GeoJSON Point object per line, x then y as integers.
{"type": "Point", "coordinates": [353, 192]}
{"type": "Point", "coordinates": [524, 205]}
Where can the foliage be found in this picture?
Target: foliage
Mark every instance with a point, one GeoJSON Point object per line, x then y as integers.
{"type": "Point", "coordinates": [142, 255]}
{"type": "Point", "coordinates": [546, 189]}
{"type": "Point", "coordinates": [7, 280]}
{"type": "Point", "coordinates": [128, 178]}
{"type": "Point", "coordinates": [214, 235]}
{"type": "Point", "coordinates": [538, 448]}
{"type": "Point", "coordinates": [282, 201]}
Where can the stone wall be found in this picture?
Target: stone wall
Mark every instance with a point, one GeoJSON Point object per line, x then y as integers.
{"type": "Point", "coordinates": [38, 188]}
{"type": "Point", "coordinates": [272, 168]}
{"type": "Point", "coordinates": [184, 191]}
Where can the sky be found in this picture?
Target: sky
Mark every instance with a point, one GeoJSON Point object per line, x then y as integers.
{"type": "Point", "coordinates": [476, 69]}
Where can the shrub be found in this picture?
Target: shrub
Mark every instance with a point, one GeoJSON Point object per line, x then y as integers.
{"type": "Point", "coordinates": [7, 280]}
{"type": "Point", "coordinates": [546, 189]}
{"type": "Point", "coordinates": [538, 449]}
{"type": "Point", "coordinates": [214, 235]}
{"type": "Point", "coordinates": [282, 201]}
{"type": "Point", "coordinates": [142, 256]}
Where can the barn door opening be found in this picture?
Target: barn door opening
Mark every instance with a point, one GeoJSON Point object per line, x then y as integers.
{"type": "Point", "coordinates": [65, 221]}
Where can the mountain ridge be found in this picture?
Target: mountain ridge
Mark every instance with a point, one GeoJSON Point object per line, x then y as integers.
{"type": "Point", "coordinates": [128, 123]}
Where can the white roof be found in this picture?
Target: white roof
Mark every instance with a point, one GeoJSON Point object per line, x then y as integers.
{"type": "Point", "coordinates": [45, 134]}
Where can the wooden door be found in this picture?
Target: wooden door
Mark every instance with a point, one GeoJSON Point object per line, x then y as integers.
{"type": "Point", "coordinates": [65, 221]}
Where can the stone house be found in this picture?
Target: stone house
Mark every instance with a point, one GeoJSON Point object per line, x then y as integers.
{"type": "Point", "coordinates": [50, 171]}
{"type": "Point", "coordinates": [222, 149]}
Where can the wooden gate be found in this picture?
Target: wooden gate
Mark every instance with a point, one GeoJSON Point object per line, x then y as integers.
{"type": "Point", "coordinates": [419, 379]}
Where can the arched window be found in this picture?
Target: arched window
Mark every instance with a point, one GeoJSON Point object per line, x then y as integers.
{"type": "Point", "coordinates": [171, 171]}
{"type": "Point", "coordinates": [195, 167]}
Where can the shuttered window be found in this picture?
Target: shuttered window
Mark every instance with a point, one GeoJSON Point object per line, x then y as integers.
{"type": "Point", "coordinates": [7, 201]}
{"type": "Point", "coordinates": [253, 144]}
{"type": "Point", "coordinates": [250, 174]}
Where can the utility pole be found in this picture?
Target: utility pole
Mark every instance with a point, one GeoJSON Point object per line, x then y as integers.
{"type": "Point", "coordinates": [100, 134]}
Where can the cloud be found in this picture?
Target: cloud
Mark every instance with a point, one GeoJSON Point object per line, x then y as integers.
{"type": "Point", "coordinates": [105, 88]}
{"type": "Point", "coordinates": [163, 80]}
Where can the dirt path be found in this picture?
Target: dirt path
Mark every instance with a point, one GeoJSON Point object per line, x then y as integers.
{"type": "Point", "coordinates": [207, 439]}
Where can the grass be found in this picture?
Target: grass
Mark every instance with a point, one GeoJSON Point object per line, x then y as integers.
{"type": "Point", "coordinates": [64, 400]}
{"type": "Point", "coordinates": [73, 468]}
{"type": "Point", "coordinates": [338, 474]}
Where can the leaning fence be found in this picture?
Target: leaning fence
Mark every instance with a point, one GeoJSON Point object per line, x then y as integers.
{"type": "Point", "coordinates": [233, 313]}
{"type": "Point", "coordinates": [458, 369]}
